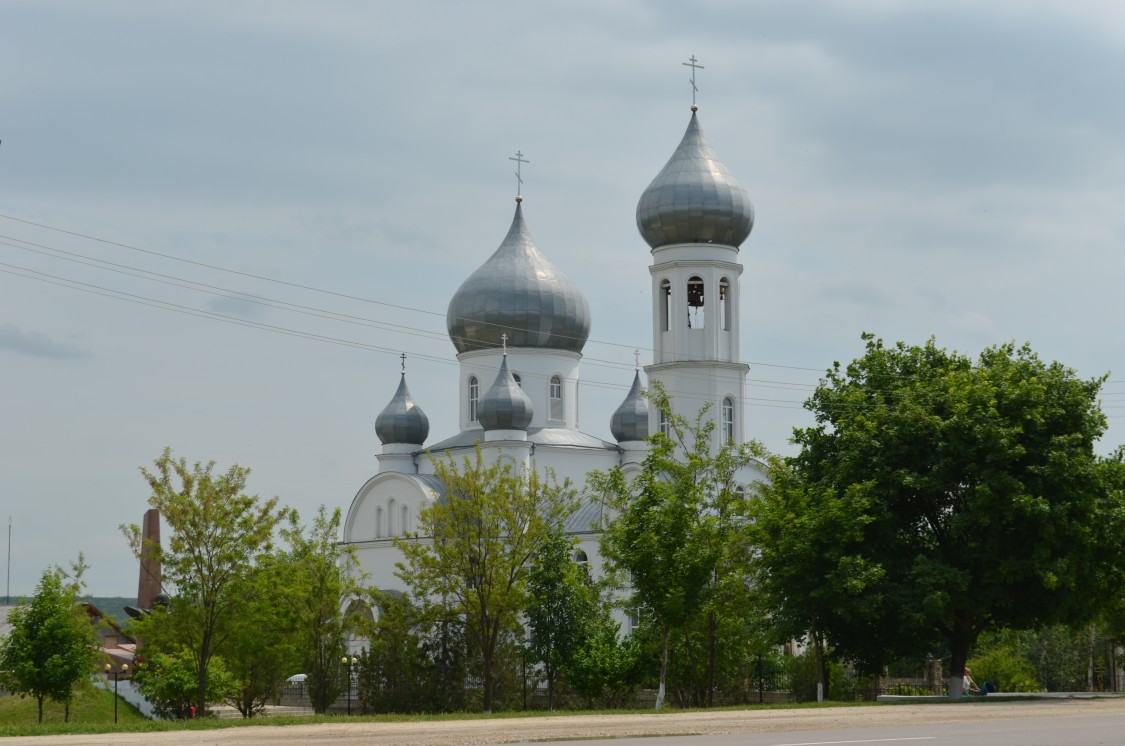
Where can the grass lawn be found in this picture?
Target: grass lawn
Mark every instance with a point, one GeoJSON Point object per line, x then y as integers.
{"type": "Point", "coordinates": [91, 707]}
{"type": "Point", "coordinates": [93, 713]}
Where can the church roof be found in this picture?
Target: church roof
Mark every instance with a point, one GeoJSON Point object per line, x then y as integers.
{"type": "Point", "coordinates": [402, 421]}
{"type": "Point", "coordinates": [505, 406]}
{"type": "Point", "coordinates": [543, 436]}
{"type": "Point", "coordinates": [694, 198]}
{"type": "Point", "coordinates": [587, 518]}
{"type": "Point", "coordinates": [519, 293]}
{"type": "Point", "coordinates": [630, 420]}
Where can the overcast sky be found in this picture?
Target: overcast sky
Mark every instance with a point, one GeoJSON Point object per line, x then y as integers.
{"type": "Point", "coordinates": [944, 168]}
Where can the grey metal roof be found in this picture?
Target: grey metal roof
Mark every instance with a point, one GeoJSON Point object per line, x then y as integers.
{"type": "Point", "coordinates": [587, 518]}
{"type": "Point", "coordinates": [504, 406]}
{"type": "Point", "coordinates": [519, 293]}
{"type": "Point", "coordinates": [694, 198]}
{"type": "Point", "coordinates": [402, 421]}
{"type": "Point", "coordinates": [630, 420]}
{"type": "Point", "coordinates": [546, 436]}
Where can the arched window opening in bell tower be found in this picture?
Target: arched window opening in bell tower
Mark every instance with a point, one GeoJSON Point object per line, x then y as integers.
{"type": "Point", "coordinates": [665, 305]}
{"type": "Point", "coordinates": [728, 420]}
{"type": "Point", "coordinates": [556, 397]}
{"type": "Point", "coordinates": [695, 314]}
{"type": "Point", "coordinates": [724, 304]}
{"type": "Point", "coordinates": [474, 397]}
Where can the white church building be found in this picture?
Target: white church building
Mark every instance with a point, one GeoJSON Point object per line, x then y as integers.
{"type": "Point", "coordinates": [519, 326]}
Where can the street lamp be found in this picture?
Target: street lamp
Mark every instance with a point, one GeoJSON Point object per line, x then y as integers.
{"type": "Point", "coordinates": [349, 662]}
{"type": "Point", "coordinates": [109, 668]}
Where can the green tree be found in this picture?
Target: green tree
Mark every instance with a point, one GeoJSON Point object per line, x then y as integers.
{"type": "Point", "coordinates": [169, 681]}
{"type": "Point", "coordinates": [968, 496]}
{"type": "Point", "coordinates": [217, 535]}
{"type": "Point", "coordinates": [677, 525]}
{"type": "Point", "coordinates": [262, 645]}
{"type": "Point", "coordinates": [393, 671]}
{"type": "Point", "coordinates": [807, 575]}
{"type": "Point", "coordinates": [323, 575]}
{"type": "Point", "coordinates": [50, 648]}
{"type": "Point", "coordinates": [474, 547]}
{"type": "Point", "coordinates": [556, 607]}
{"type": "Point", "coordinates": [604, 667]}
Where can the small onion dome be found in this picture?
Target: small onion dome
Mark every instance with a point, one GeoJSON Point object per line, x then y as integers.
{"type": "Point", "coordinates": [519, 293]}
{"type": "Point", "coordinates": [161, 600]}
{"type": "Point", "coordinates": [504, 406]}
{"type": "Point", "coordinates": [402, 421]}
{"type": "Point", "coordinates": [630, 421]}
{"type": "Point", "coordinates": [694, 199]}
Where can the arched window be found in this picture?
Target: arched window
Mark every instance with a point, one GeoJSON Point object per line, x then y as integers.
{"type": "Point", "coordinates": [583, 563]}
{"type": "Point", "coordinates": [474, 397]}
{"type": "Point", "coordinates": [379, 523]}
{"type": "Point", "coordinates": [556, 398]}
{"type": "Point", "coordinates": [728, 419]}
{"type": "Point", "coordinates": [392, 529]}
{"type": "Point", "coordinates": [724, 304]}
{"type": "Point", "coordinates": [665, 305]}
{"type": "Point", "coordinates": [695, 314]}
{"type": "Point", "coordinates": [405, 527]}
{"type": "Point", "coordinates": [665, 427]}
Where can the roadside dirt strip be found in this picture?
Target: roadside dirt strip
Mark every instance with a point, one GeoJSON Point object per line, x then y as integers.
{"type": "Point", "coordinates": [514, 730]}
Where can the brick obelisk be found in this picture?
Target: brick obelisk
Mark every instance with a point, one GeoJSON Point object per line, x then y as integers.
{"type": "Point", "coordinates": [149, 584]}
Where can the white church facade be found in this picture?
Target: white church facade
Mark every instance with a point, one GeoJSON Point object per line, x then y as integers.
{"type": "Point", "coordinates": [519, 326]}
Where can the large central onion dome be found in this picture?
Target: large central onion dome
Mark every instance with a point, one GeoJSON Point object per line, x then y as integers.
{"type": "Point", "coordinates": [519, 293]}
{"type": "Point", "coordinates": [694, 199]}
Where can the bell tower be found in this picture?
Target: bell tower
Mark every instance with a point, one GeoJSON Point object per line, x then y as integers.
{"type": "Point", "coordinates": [694, 216]}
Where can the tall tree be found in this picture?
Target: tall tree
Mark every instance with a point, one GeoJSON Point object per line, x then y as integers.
{"type": "Point", "coordinates": [556, 609]}
{"type": "Point", "coordinates": [217, 535]}
{"type": "Point", "coordinates": [262, 646]}
{"type": "Point", "coordinates": [676, 522]}
{"type": "Point", "coordinates": [324, 574]}
{"type": "Point", "coordinates": [474, 547]}
{"type": "Point", "coordinates": [963, 494]}
{"type": "Point", "coordinates": [50, 648]}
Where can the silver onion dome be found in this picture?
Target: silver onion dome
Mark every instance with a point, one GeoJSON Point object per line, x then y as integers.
{"type": "Point", "coordinates": [630, 420]}
{"type": "Point", "coordinates": [402, 421]}
{"type": "Point", "coordinates": [504, 406]}
{"type": "Point", "coordinates": [519, 293]}
{"type": "Point", "coordinates": [694, 199]}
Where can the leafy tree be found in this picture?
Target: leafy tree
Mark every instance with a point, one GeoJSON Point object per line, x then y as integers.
{"type": "Point", "coordinates": [50, 648]}
{"type": "Point", "coordinates": [261, 647]}
{"type": "Point", "coordinates": [965, 494]}
{"type": "Point", "coordinates": [169, 681]}
{"type": "Point", "coordinates": [807, 574]}
{"type": "Point", "coordinates": [677, 524]}
{"type": "Point", "coordinates": [474, 548]}
{"type": "Point", "coordinates": [217, 535]}
{"type": "Point", "coordinates": [556, 606]}
{"type": "Point", "coordinates": [393, 671]}
{"type": "Point", "coordinates": [604, 667]}
{"type": "Point", "coordinates": [323, 574]}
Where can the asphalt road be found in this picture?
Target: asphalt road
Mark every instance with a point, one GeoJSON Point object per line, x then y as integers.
{"type": "Point", "coordinates": [1058, 722]}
